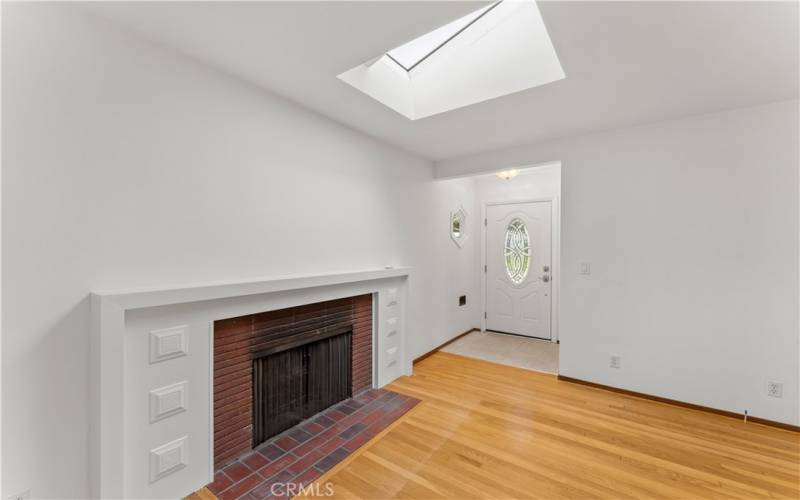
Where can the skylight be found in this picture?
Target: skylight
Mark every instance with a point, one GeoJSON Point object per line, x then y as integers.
{"type": "Point", "coordinates": [410, 54]}
{"type": "Point", "coordinates": [497, 50]}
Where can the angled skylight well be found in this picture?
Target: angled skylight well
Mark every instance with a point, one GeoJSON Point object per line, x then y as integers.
{"type": "Point", "coordinates": [496, 50]}
{"type": "Point", "coordinates": [410, 54]}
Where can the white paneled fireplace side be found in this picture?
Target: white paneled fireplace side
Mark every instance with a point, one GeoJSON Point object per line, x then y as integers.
{"type": "Point", "coordinates": [152, 430]}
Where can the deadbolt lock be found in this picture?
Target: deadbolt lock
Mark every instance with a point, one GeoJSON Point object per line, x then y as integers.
{"type": "Point", "coordinates": [546, 269]}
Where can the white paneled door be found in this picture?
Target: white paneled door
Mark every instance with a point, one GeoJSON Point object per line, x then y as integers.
{"type": "Point", "coordinates": [519, 269]}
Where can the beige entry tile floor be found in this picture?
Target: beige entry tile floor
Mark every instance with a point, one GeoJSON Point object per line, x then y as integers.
{"type": "Point", "coordinates": [512, 350]}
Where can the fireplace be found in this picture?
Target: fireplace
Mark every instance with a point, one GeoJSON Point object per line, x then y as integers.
{"type": "Point", "coordinates": [162, 356]}
{"type": "Point", "coordinates": [273, 370]}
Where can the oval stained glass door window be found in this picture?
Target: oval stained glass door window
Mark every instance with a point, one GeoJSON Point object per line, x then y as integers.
{"type": "Point", "coordinates": [518, 251]}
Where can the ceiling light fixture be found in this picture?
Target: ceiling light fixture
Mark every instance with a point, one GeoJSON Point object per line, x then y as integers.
{"type": "Point", "coordinates": [507, 174]}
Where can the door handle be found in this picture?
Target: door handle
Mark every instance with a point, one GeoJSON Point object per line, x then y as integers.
{"type": "Point", "coordinates": [545, 278]}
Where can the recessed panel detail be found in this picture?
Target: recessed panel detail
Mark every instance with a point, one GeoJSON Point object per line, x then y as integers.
{"type": "Point", "coordinates": [169, 343]}
{"type": "Point", "coordinates": [168, 400]}
{"type": "Point", "coordinates": [169, 458]}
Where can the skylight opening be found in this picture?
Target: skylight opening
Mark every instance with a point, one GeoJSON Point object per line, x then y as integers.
{"type": "Point", "coordinates": [494, 51]}
{"type": "Point", "coordinates": [411, 54]}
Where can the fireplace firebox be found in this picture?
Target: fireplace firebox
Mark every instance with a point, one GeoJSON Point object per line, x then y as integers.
{"type": "Point", "coordinates": [297, 379]}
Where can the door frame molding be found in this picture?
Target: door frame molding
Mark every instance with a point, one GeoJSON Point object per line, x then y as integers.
{"type": "Point", "coordinates": [555, 253]}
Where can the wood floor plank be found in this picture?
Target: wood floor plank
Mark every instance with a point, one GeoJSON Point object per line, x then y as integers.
{"type": "Point", "coordinates": [202, 494]}
{"type": "Point", "coordinates": [485, 430]}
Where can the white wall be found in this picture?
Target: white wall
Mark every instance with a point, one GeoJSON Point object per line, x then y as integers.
{"type": "Point", "coordinates": [459, 276]}
{"type": "Point", "coordinates": [127, 165]}
{"type": "Point", "coordinates": [691, 228]}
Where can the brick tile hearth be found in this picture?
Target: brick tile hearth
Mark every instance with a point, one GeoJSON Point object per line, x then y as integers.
{"type": "Point", "coordinates": [303, 453]}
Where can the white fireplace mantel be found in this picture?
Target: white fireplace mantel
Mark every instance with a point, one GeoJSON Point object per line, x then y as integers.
{"type": "Point", "coordinates": [146, 342]}
{"type": "Point", "coordinates": [136, 298]}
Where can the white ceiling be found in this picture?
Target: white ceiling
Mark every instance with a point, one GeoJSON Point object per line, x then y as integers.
{"type": "Point", "coordinates": [626, 62]}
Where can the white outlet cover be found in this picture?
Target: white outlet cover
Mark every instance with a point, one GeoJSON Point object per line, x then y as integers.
{"type": "Point", "coordinates": [615, 361]}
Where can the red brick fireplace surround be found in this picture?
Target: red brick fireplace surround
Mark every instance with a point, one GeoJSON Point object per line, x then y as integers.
{"type": "Point", "coordinates": [237, 339]}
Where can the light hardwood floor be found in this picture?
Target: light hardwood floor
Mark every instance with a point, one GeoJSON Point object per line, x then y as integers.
{"type": "Point", "coordinates": [486, 430]}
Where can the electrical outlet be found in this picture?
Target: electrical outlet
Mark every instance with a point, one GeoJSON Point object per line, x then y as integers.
{"type": "Point", "coordinates": [615, 362]}
{"type": "Point", "coordinates": [585, 268]}
{"type": "Point", "coordinates": [775, 389]}
{"type": "Point", "coordinates": [23, 495]}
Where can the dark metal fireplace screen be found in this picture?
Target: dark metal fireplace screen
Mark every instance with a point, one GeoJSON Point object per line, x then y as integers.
{"type": "Point", "coordinates": [298, 379]}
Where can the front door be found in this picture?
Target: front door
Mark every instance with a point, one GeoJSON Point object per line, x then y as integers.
{"type": "Point", "coordinates": [518, 268]}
